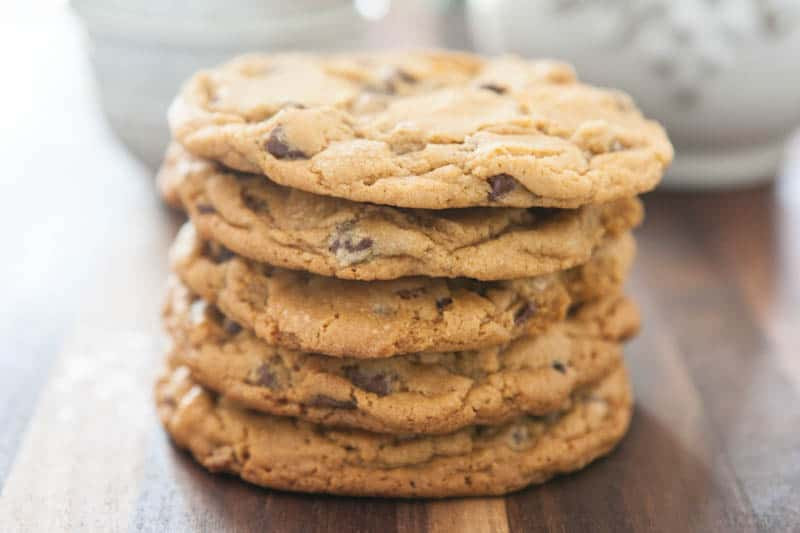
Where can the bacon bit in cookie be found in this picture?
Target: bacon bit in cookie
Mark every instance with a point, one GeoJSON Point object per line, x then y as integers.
{"type": "Point", "coordinates": [501, 184]}
{"type": "Point", "coordinates": [322, 400]}
{"type": "Point", "coordinates": [443, 303]}
{"type": "Point", "coordinates": [524, 313]}
{"type": "Point", "coordinates": [278, 146]}
{"type": "Point", "coordinates": [559, 366]}
{"type": "Point", "coordinates": [206, 209]}
{"type": "Point", "coordinates": [378, 383]}
{"type": "Point", "coordinates": [494, 88]}
{"type": "Point", "coordinates": [231, 327]}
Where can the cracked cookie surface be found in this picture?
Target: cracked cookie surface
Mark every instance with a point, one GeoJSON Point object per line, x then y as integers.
{"type": "Point", "coordinates": [289, 454]}
{"type": "Point", "coordinates": [430, 392]}
{"type": "Point", "coordinates": [307, 312]}
{"type": "Point", "coordinates": [293, 229]}
{"type": "Point", "coordinates": [422, 129]}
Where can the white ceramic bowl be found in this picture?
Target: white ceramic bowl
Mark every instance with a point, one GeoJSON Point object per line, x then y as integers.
{"type": "Point", "coordinates": [142, 51]}
{"type": "Point", "coordinates": [723, 77]}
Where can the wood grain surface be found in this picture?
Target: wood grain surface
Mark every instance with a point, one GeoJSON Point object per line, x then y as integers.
{"type": "Point", "coordinates": [714, 444]}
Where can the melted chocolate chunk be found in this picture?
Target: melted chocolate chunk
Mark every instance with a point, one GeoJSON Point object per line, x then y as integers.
{"type": "Point", "coordinates": [264, 376]}
{"type": "Point", "coordinates": [254, 202]}
{"type": "Point", "coordinates": [217, 252]}
{"type": "Point", "coordinates": [559, 366]}
{"type": "Point", "coordinates": [408, 294]}
{"type": "Point", "coordinates": [524, 313]}
{"type": "Point", "coordinates": [402, 75]}
{"type": "Point", "coordinates": [520, 435]}
{"type": "Point", "coordinates": [494, 88]}
{"type": "Point", "coordinates": [231, 327]}
{"type": "Point", "coordinates": [322, 400]}
{"type": "Point", "coordinates": [378, 383]}
{"type": "Point", "coordinates": [348, 244]}
{"type": "Point", "coordinates": [443, 303]}
{"type": "Point", "coordinates": [501, 184]}
{"type": "Point", "coordinates": [389, 83]}
{"type": "Point", "coordinates": [277, 146]}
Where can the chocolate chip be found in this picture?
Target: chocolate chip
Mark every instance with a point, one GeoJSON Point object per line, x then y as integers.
{"type": "Point", "coordinates": [322, 400]}
{"type": "Point", "coordinates": [524, 313]}
{"type": "Point", "coordinates": [205, 209]}
{"type": "Point", "coordinates": [443, 303]}
{"type": "Point", "coordinates": [494, 88]}
{"type": "Point", "coordinates": [388, 83]}
{"type": "Point", "coordinates": [231, 327]}
{"type": "Point", "coordinates": [408, 294]}
{"type": "Point", "coordinates": [519, 438]}
{"type": "Point", "coordinates": [254, 202]}
{"type": "Point", "coordinates": [501, 184]}
{"type": "Point", "coordinates": [403, 75]}
{"type": "Point", "coordinates": [559, 366]}
{"type": "Point", "coordinates": [363, 244]}
{"type": "Point", "coordinates": [264, 377]}
{"type": "Point", "coordinates": [520, 434]}
{"type": "Point", "coordinates": [348, 246]}
{"type": "Point", "coordinates": [279, 148]}
{"type": "Point", "coordinates": [214, 314]}
{"type": "Point", "coordinates": [217, 252]}
{"type": "Point", "coordinates": [378, 383]}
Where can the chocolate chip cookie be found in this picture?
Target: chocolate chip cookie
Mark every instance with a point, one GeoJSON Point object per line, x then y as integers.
{"type": "Point", "coordinates": [427, 130]}
{"type": "Point", "coordinates": [375, 319]}
{"type": "Point", "coordinates": [290, 454]}
{"type": "Point", "coordinates": [427, 392]}
{"type": "Point", "coordinates": [293, 229]}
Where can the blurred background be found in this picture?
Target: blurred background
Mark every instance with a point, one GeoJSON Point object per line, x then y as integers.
{"type": "Point", "coordinates": [723, 76]}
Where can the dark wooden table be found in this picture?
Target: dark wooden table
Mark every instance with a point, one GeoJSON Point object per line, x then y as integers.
{"type": "Point", "coordinates": [714, 445]}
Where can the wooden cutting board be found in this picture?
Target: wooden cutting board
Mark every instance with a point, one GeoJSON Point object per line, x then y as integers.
{"type": "Point", "coordinates": [714, 444]}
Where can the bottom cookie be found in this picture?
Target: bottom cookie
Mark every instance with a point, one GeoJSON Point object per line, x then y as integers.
{"type": "Point", "coordinates": [289, 454]}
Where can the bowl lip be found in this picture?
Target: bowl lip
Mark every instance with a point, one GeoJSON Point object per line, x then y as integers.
{"type": "Point", "coordinates": [101, 21]}
{"type": "Point", "coordinates": [233, 9]}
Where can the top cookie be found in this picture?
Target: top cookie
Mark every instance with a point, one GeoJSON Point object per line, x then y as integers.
{"type": "Point", "coordinates": [421, 129]}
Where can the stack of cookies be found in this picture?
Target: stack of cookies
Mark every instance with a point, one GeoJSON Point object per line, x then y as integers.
{"type": "Point", "coordinates": [402, 272]}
